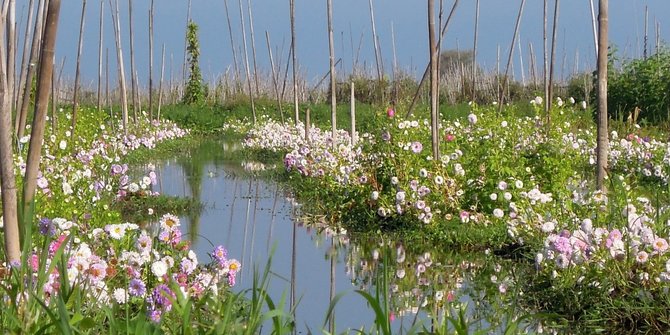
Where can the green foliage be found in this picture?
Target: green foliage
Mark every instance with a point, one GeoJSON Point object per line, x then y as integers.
{"type": "Point", "coordinates": [641, 83]}
{"type": "Point", "coordinates": [194, 93]}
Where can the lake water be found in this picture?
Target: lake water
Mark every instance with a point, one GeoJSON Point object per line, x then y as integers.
{"type": "Point", "coordinates": [255, 220]}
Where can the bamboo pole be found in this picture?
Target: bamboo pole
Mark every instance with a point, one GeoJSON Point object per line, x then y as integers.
{"type": "Point", "coordinates": [151, 60]}
{"type": "Point", "coordinates": [122, 72]}
{"type": "Point", "coordinates": [545, 60]}
{"type": "Point", "coordinates": [432, 51]}
{"type": "Point", "coordinates": [646, 31]}
{"type": "Point", "coordinates": [246, 62]}
{"type": "Point", "coordinates": [100, 60]}
{"type": "Point", "coordinates": [20, 124]}
{"type": "Point", "coordinates": [427, 70]}
{"type": "Point", "coordinates": [474, 55]}
{"type": "Point", "coordinates": [602, 148]}
{"type": "Point", "coordinates": [352, 111]}
{"type": "Point", "coordinates": [11, 52]}
{"type": "Point", "coordinates": [595, 31]}
{"type": "Point", "coordinates": [160, 85]}
{"type": "Point", "coordinates": [333, 87]}
{"type": "Point", "coordinates": [374, 42]}
{"type": "Point", "coordinates": [133, 80]}
{"type": "Point", "coordinates": [41, 103]}
{"type": "Point", "coordinates": [511, 53]}
{"type": "Point", "coordinates": [11, 229]}
{"type": "Point", "coordinates": [294, 62]}
{"type": "Point", "coordinates": [18, 98]}
{"type": "Point", "coordinates": [253, 46]}
{"type": "Point", "coordinates": [77, 72]}
{"type": "Point", "coordinates": [274, 77]}
{"type": "Point", "coordinates": [232, 45]}
{"type": "Point", "coordinates": [550, 96]}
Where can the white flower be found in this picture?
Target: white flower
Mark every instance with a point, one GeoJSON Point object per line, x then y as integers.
{"type": "Point", "coordinates": [67, 189]}
{"type": "Point", "coordinates": [538, 100]}
{"type": "Point", "coordinates": [493, 196]}
{"type": "Point", "coordinates": [374, 195]}
{"type": "Point", "coordinates": [507, 196]}
{"type": "Point", "coordinates": [439, 180]}
{"type": "Point", "coordinates": [503, 124]}
{"type": "Point", "coordinates": [472, 118]}
{"type": "Point", "coordinates": [159, 268]}
{"type": "Point", "coordinates": [498, 213]}
{"type": "Point", "coordinates": [62, 145]}
{"type": "Point", "coordinates": [502, 185]}
{"type": "Point", "coordinates": [133, 187]}
{"type": "Point", "coordinates": [583, 104]}
{"type": "Point", "coordinates": [518, 184]}
{"type": "Point", "coordinates": [548, 227]}
{"type": "Point", "coordinates": [120, 295]}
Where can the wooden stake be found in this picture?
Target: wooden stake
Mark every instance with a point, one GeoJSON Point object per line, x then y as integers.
{"type": "Point", "coordinates": [160, 85]}
{"type": "Point", "coordinates": [333, 87]}
{"type": "Point", "coordinates": [100, 60]}
{"type": "Point", "coordinates": [246, 63]}
{"type": "Point", "coordinates": [274, 77]}
{"type": "Point", "coordinates": [151, 60]}
{"type": "Point", "coordinates": [122, 72]}
{"type": "Point", "coordinates": [75, 96]}
{"type": "Point", "coordinates": [511, 52]}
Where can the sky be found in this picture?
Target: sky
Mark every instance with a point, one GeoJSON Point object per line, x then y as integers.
{"type": "Point", "coordinates": [399, 22]}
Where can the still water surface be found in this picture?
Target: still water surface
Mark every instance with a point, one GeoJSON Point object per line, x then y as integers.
{"type": "Point", "coordinates": [255, 220]}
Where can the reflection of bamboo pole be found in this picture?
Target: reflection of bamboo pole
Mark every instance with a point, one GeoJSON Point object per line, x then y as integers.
{"type": "Point", "coordinates": [374, 43]}
{"type": "Point", "coordinates": [133, 78]}
{"type": "Point", "coordinates": [333, 259]}
{"type": "Point", "coordinates": [24, 57]}
{"type": "Point", "coordinates": [474, 55]}
{"type": "Point", "coordinates": [273, 217]}
{"type": "Point", "coordinates": [246, 227]}
{"type": "Point", "coordinates": [293, 268]}
{"type": "Point", "coordinates": [232, 212]}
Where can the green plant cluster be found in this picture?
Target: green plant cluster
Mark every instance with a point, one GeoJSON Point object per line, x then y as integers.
{"type": "Point", "coordinates": [640, 83]}
{"type": "Point", "coordinates": [194, 93]}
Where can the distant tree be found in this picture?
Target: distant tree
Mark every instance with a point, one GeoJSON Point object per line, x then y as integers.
{"type": "Point", "coordinates": [194, 93]}
{"type": "Point", "coordinates": [453, 60]}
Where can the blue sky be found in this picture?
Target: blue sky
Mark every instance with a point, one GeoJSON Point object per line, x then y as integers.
{"type": "Point", "coordinates": [407, 18]}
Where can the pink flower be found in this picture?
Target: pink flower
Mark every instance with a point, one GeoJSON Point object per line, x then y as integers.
{"type": "Point", "coordinates": [390, 112]}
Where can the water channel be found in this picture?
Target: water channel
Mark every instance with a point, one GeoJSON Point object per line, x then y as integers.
{"type": "Point", "coordinates": [255, 220]}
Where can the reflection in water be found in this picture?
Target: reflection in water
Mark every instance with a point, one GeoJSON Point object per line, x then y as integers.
{"type": "Point", "coordinates": [313, 261]}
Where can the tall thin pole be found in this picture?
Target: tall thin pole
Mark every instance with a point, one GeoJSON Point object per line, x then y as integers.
{"type": "Point", "coordinates": [474, 55]}
{"type": "Point", "coordinates": [24, 57]}
{"type": "Point", "coordinates": [550, 96]}
{"type": "Point", "coordinates": [253, 46]}
{"type": "Point", "coordinates": [511, 52]}
{"type": "Point", "coordinates": [246, 62]}
{"type": "Point", "coordinates": [294, 61]}
{"type": "Point", "coordinates": [374, 42]}
{"type": "Point", "coordinates": [232, 45]}
{"type": "Point", "coordinates": [151, 60]}
{"type": "Point", "coordinates": [602, 148]}
{"type": "Point", "coordinates": [133, 82]}
{"type": "Point", "coordinates": [432, 49]}
{"type": "Point", "coordinates": [595, 31]}
{"type": "Point", "coordinates": [160, 85]}
{"type": "Point", "coordinates": [100, 59]}
{"type": "Point", "coordinates": [545, 60]}
{"type": "Point", "coordinates": [75, 97]}
{"type": "Point", "coordinates": [333, 88]}
{"type": "Point", "coordinates": [122, 72]}
{"type": "Point", "coordinates": [275, 81]}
